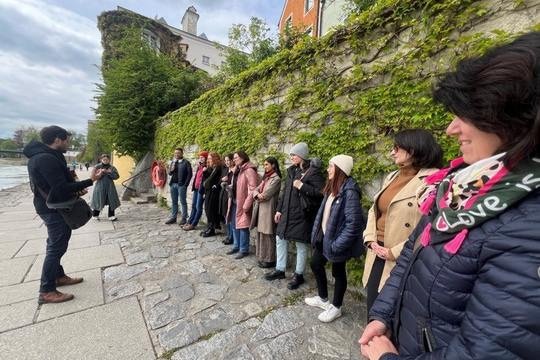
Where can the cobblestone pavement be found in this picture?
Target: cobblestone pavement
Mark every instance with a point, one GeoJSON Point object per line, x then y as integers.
{"type": "Point", "coordinates": [196, 301]}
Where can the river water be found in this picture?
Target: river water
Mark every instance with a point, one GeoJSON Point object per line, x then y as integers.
{"type": "Point", "coordinates": [12, 175]}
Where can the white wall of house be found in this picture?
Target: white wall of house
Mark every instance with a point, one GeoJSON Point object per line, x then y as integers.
{"type": "Point", "coordinates": [333, 13]}
{"type": "Point", "coordinates": [201, 53]}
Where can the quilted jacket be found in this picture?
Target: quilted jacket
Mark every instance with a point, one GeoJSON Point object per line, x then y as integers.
{"type": "Point", "coordinates": [481, 303]}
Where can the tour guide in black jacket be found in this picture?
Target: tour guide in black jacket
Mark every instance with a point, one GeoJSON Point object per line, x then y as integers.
{"type": "Point", "coordinates": [48, 171]}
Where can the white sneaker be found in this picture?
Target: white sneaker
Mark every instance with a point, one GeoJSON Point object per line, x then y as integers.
{"type": "Point", "coordinates": [317, 301]}
{"type": "Point", "coordinates": [112, 218]}
{"type": "Point", "coordinates": [95, 218]}
{"type": "Point", "coordinates": [330, 314]}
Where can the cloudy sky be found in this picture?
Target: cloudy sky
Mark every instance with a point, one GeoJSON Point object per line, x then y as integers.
{"type": "Point", "coordinates": [50, 51]}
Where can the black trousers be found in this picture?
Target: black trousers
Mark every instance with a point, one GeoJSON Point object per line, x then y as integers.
{"type": "Point", "coordinates": [318, 261]}
{"type": "Point", "coordinates": [57, 243]}
{"type": "Point", "coordinates": [372, 285]}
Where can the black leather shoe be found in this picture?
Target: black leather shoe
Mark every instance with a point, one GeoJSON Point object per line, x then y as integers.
{"type": "Point", "coordinates": [297, 280]}
{"type": "Point", "coordinates": [241, 255]}
{"type": "Point", "coordinates": [208, 233]}
{"type": "Point", "coordinates": [170, 221]}
{"type": "Point", "coordinates": [232, 251]}
{"type": "Point", "coordinates": [266, 264]}
{"type": "Point", "coordinates": [227, 241]}
{"type": "Point", "coordinates": [274, 275]}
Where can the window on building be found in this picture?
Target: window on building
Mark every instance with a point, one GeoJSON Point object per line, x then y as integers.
{"type": "Point", "coordinates": [309, 31]}
{"type": "Point", "coordinates": [308, 4]}
{"type": "Point", "coordinates": [206, 60]}
{"type": "Point", "coordinates": [151, 39]}
{"type": "Point", "coordinates": [288, 23]}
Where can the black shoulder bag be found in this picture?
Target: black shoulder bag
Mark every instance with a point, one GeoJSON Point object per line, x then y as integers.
{"type": "Point", "coordinates": [75, 211]}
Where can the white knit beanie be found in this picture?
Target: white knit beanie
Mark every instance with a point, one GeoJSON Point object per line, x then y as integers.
{"type": "Point", "coordinates": [344, 162]}
{"type": "Point", "coordinates": [301, 150]}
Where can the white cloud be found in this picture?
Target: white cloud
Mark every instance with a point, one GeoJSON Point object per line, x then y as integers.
{"type": "Point", "coordinates": [47, 57]}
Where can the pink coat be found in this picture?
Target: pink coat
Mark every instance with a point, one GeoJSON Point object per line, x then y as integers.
{"type": "Point", "coordinates": [248, 179]}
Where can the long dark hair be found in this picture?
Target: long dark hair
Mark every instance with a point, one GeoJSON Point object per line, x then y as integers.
{"type": "Point", "coordinates": [242, 155]}
{"type": "Point", "coordinates": [421, 145]}
{"type": "Point", "coordinates": [275, 164]}
{"type": "Point", "coordinates": [333, 185]}
{"type": "Point", "coordinates": [499, 93]}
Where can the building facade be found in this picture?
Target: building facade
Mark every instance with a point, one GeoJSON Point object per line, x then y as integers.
{"type": "Point", "coordinates": [302, 15]}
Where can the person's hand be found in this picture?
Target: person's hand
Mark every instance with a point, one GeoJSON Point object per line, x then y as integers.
{"type": "Point", "coordinates": [382, 252]}
{"type": "Point", "coordinates": [96, 175]}
{"type": "Point", "coordinates": [374, 328]}
{"type": "Point", "coordinates": [277, 217]}
{"type": "Point", "coordinates": [225, 179]}
{"type": "Point", "coordinates": [297, 184]}
{"type": "Point", "coordinates": [260, 197]}
{"type": "Point", "coordinates": [378, 346]}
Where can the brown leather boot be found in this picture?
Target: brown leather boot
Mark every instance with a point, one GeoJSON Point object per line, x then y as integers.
{"type": "Point", "coordinates": [66, 280]}
{"type": "Point", "coordinates": [54, 297]}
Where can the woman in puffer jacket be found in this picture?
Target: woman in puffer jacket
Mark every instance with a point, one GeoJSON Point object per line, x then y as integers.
{"type": "Point", "coordinates": [467, 283]}
{"type": "Point", "coordinates": [336, 235]}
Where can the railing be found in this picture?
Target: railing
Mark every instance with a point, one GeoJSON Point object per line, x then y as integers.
{"type": "Point", "coordinates": [133, 177]}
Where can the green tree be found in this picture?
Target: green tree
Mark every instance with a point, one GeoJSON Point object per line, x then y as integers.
{"type": "Point", "coordinates": [139, 86]}
{"type": "Point", "coordinates": [96, 144]}
{"type": "Point", "coordinates": [8, 144]}
{"type": "Point", "coordinates": [24, 134]}
{"type": "Point", "coordinates": [248, 45]}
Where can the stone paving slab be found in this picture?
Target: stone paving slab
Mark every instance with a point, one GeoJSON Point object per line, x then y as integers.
{"type": "Point", "coordinates": [21, 224]}
{"type": "Point", "coordinates": [38, 246]}
{"type": "Point", "coordinates": [7, 215]}
{"type": "Point", "coordinates": [94, 226]}
{"type": "Point", "coordinates": [113, 331]}
{"type": "Point", "coordinates": [12, 271]}
{"type": "Point", "coordinates": [20, 292]}
{"type": "Point", "coordinates": [23, 234]}
{"type": "Point", "coordinates": [82, 259]}
{"type": "Point", "coordinates": [9, 249]}
{"type": "Point", "coordinates": [16, 315]}
{"type": "Point", "coordinates": [88, 294]}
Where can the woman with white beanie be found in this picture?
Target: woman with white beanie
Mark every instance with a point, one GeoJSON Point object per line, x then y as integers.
{"type": "Point", "coordinates": [336, 235]}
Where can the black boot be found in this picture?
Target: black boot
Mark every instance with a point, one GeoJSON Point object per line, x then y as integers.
{"type": "Point", "coordinates": [297, 280]}
{"type": "Point", "coordinates": [274, 275]}
{"type": "Point", "coordinates": [209, 232]}
{"type": "Point", "coordinates": [227, 241]}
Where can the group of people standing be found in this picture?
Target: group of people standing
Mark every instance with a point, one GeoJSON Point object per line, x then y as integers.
{"type": "Point", "coordinates": [303, 208]}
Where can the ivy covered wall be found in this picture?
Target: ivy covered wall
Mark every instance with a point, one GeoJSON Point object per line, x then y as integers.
{"type": "Point", "coordinates": [346, 92]}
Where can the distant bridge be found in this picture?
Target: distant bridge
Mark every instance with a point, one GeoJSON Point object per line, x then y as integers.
{"type": "Point", "coordinates": [11, 153]}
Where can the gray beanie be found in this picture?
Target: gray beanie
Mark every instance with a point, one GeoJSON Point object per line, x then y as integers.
{"type": "Point", "coordinates": [301, 150]}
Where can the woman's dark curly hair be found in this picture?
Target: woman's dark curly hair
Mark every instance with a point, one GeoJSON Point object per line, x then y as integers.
{"type": "Point", "coordinates": [499, 93]}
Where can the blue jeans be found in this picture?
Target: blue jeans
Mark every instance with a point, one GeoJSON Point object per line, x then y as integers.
{"type": "Point", "coordinates": [235, 234]}
{"type": "Point", "coordinates": [196, 208]}
{"type": "Point", "coordinates": [240, 236]}
{"type": "Point", "coordinates": [281, 255]}
{"type": "Point", "coordinates": [178, 191]}
{"type": "Point", "coordinates": [57, 243]}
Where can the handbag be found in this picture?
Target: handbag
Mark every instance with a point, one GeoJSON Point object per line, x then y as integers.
{"type": "Point", "coordinates": [75, 211]}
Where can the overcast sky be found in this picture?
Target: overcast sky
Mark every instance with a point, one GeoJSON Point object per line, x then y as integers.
{"type": "Point", "coordinates": [50, 51]}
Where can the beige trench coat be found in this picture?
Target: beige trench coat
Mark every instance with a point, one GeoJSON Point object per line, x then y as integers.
{"type": "Point", "coordinates": [264, 211]}
{"type": "Point", "coordinates": [401, 219]}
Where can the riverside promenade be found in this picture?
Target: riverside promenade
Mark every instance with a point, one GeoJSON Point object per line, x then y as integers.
{"type": "Point", "coordinates": [154, 291]}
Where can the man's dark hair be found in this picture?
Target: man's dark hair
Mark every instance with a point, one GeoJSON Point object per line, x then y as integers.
{"type": "Point", "coordinates": [50, 133]}
{"type": "Point", "coordinates": [421, 145]}
{"type": "Point", "coordinates": [180, 149]}
{"type": "Point", "coordinates": [499, 93]}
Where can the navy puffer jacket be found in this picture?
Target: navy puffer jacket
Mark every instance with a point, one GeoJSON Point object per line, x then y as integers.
{"type": "Point", "coordinates": [481, 303]}
{"type": "Point", "coordinates": [346, 223]}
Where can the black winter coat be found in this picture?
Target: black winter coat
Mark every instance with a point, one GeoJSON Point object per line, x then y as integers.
{"type": "Point", "coordinates": [481, 303]}
{"type": "Point", "coordinates": [297, 216]}
{"type": "Point", "coordinates": [47, 168]}
{"type": "Point", "coordinates": [212, 190]}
